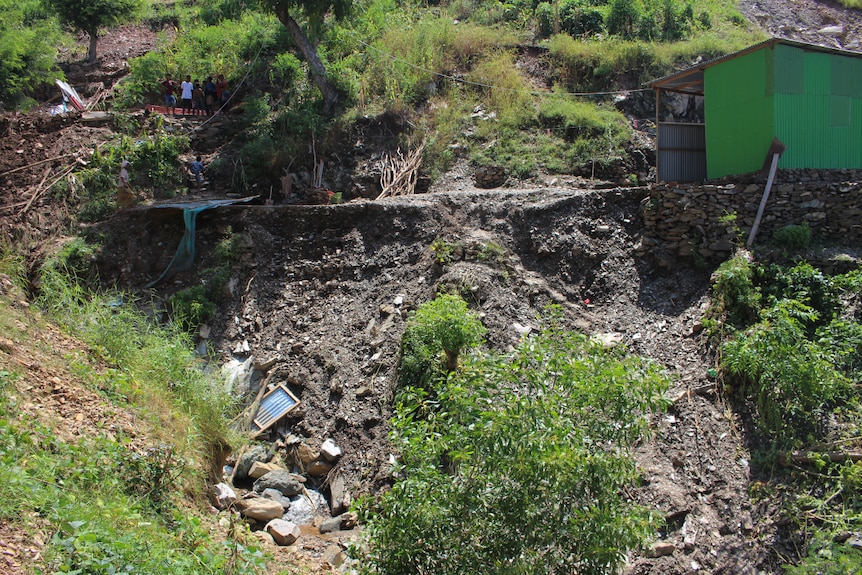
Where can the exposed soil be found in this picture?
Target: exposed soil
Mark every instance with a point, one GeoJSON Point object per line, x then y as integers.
{"type": "Point", "coordinates": [816, 22]}
{"type": "Point", "coordinates": [325, 291]}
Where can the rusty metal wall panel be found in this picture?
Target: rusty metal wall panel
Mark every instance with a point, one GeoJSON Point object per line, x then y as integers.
{"type": "Point", "coordinates": [681, 152]}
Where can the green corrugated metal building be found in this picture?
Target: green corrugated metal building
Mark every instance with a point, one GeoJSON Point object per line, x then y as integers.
{"type": "Point", "coordinates": [807, 96]}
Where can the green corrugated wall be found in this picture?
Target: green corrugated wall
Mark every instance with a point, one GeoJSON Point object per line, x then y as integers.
{"type": "Point", "coordinates": [738, 112]}
{"type": "Point", "coordinates": [812, 101]}
{"type": "Point", "coordinates": [822, 127]}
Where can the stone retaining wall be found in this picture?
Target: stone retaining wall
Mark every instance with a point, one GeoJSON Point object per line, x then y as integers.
{"type": "Point", "coordinates": [685, 220]}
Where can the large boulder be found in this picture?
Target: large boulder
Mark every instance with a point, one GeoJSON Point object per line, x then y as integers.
{"type": "Point", "coordinates": [245, 461]}
{"type": "Point", "coordinates": [283, 532]}
{"type": "Point", "coordinates": [261, 509]}
{"type": "Point", "coordinates": [280, 480]}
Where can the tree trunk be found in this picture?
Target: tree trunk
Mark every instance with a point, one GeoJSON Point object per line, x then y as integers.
{"type": "Point", "coordinates": [91, 55]}
{"type": "Point", "coordinates": [318, 71]}
{"type": "Point", "coordinates": [451, 360]}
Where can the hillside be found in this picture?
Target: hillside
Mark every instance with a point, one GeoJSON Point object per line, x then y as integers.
{"type": "Point", "coordinates": [317, 298]}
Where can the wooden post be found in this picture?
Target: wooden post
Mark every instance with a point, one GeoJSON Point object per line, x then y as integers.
{"type": "Point", "coordinates": [657, 131]}
{"type": "Point", "coordinates": [764, 199]}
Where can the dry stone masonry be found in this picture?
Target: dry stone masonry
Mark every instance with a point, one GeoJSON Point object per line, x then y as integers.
{"type": "Point", "coordinates": [709, 220]}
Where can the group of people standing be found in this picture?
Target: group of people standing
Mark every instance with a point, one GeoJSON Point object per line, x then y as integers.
{"type": "Point", "coordinates": [207, 97]}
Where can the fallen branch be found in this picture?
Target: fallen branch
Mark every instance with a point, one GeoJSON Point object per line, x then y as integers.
{"type": "Point", "coordinates": [37, 163]}
{"type": "Point", "coordinates": [41, 190]}
{"type": "Point", "coordinates": [689, 393]}
{"type": "Point", "coordinates": [399, 174]}
{"type": "Point", "coordinates": [812, 457]}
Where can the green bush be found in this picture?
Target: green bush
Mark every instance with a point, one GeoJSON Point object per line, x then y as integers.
{"type": "Point", "coordinates": [804, 283]}
{"type": "Point", "coordinates": [791, 379]}
{"type": "Point", "coordinates": [191, 307]}
{"type": "Point", "coordinates": [793, 238]}
{"type": "Point", "coordinates": [441, 328]}
{"type": "Point", "coordinates": [546, 18]}
{"type": "Point", "coordinates": [735, 299]}
{"type": "Point", "coordinates": [578, 18]}
{"type": "Point", "coordinates": [28, 45]}
{"type": "Point", "coordinates": [521, 465]}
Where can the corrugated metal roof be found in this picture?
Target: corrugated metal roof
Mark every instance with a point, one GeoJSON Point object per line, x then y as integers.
{"type": "Point", "coordinates": [690, 80]}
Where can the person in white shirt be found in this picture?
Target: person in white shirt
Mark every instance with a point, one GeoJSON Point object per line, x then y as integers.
{"type": "Point", "coordinates": [186, 94]}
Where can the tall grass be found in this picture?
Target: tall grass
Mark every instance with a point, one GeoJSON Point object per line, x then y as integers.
{"type": "Point", "coordinates": [106, 501]}
{"type": "Point", "coordinates": [157, 361]}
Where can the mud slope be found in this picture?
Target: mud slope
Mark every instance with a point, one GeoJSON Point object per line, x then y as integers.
{"type": "Point", "coordinates": [326, 291]}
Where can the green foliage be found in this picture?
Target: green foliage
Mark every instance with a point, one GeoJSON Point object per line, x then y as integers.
{"type": "Point", "coordinates": [826, 557]}
{"type": "Point", "coordinates": [443, 250]}
{"type": "Point", "coordinates": [201, 51]}
{"type": "Point", "coordinates": [580, 18]}
{"type": "Point", "coordinates": [504, 90]}
{"type": "Point", "coordinates": [735, 299]}
{"type": "Point", "coordinates": [624, 17]}
{"type": "Point", "coordinates": [803, 283]}
{"type": "Point", "coordinates": [159, 360]}
{"type": "Point", "coordinates": [791, 379]}
{"type": "Point", "coordinates": [793, 238]}
{"type": "Point", "coordinates": [155, 168]}
{"type": "Point", "coordinates": [518, 464]}
{"type": "Point", "coordinates": [441, 327]}
{"type": "Point", "coordinates": [191, 307]}
{"type": "Point", "coordinates": [28, 40]}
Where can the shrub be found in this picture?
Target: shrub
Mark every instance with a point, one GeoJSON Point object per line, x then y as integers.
{"type": "Point", "coordinates": [578, 19]}
{"type": "Point", "coordinates": [441, 326]}
{"type": "Point", "coordinates": [522, 466]}
{"type": "Point", "coordinates": [546, 19]}
{"type": "Point", "coordinates": [790, 378]}
{"type": "Point", "coordinates": [191, 307]}
{"type": "Point", "coordinates": [735, 299]}
{"type": "Point", "coordinates": [793, 238]}
{"type": "Point", "coordinates": [623, 17]}
{"type": "Point", "coordinates": [803, 283]}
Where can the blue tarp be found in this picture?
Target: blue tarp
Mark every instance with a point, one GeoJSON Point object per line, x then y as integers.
{"type": "Point", "coordinates": [185, 256]}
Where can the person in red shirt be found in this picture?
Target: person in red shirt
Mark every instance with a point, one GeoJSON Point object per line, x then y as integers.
{"type": "Point", "coordinates": [170, 88]}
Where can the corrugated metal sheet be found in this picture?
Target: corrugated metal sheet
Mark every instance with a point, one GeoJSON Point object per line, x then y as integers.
{"type": "Point", "coordinates": [822, 127]}
{"type": "Point", "coordinates": [739, 114]}
{"type": "Point", "coordinates": [273, 406]}
{"type": "Point", "coordinates": [681, 152]}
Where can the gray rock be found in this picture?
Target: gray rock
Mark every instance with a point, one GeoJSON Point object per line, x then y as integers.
{"type": "Point", "coordinates": [283, 532]}
{"type": "Point", "coordinates": [245, 461]}
{"type": "Point", "coordinates": [330, 525]}
{"type": "Point", "coordinates": [280, 480]}
{"type": "Point", "coordinates": [276, 495]}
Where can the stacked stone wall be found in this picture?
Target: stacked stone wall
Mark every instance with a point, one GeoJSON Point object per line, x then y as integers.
{"type": "Point", "coordinates": [684, 220]}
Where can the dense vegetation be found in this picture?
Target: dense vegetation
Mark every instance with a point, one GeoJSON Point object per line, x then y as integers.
{"type": "Point", "coordinates": [790, 342]}
{"type": "Point", "coordinates": [110, 503]}
{"type": "Point", "coordinates": [434, 66]}
{"type": "Point", "coordinates": [512, 463]}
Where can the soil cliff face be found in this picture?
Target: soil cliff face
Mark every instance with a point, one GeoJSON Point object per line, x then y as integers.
{"type": "Point", "coordinates": [325, 292]}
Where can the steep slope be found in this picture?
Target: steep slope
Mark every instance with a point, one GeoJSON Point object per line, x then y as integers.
{"type": "Point", "coordinates": [322, 295]}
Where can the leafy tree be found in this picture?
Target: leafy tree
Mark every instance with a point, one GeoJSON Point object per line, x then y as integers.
{"type": "Point", "coordinates": [91, 15]}
{"type": "Point", "coordinates": [28, 40]}
{"type": "Point", "coordinates": [441, 326]}
{"type": "Point", "coordinates": [314, 11]}
{"type": "Point", "coordinates": [519, 463]}
{"type": "Point", "coordinates": [623, 17]}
